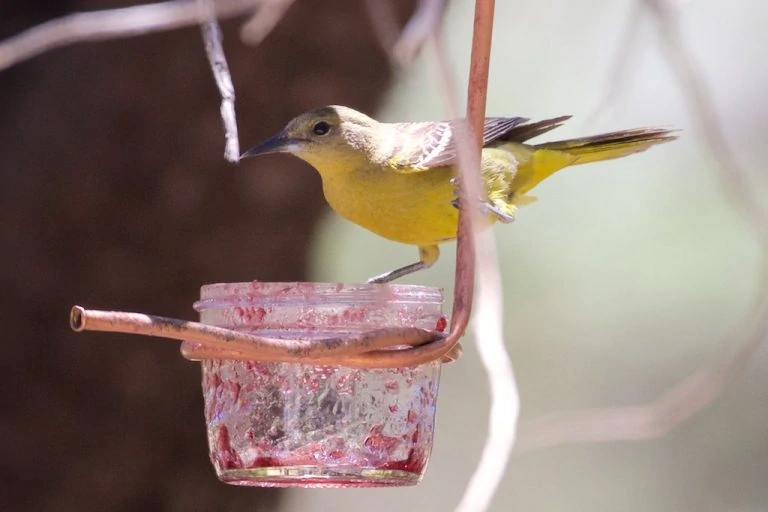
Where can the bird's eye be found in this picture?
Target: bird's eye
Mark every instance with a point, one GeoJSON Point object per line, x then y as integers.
{"type": "Point", "coordinates": [321, 128]}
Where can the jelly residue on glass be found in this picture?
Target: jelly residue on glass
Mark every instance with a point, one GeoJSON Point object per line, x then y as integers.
{"type": "Point", "coordinates": [281, 424]}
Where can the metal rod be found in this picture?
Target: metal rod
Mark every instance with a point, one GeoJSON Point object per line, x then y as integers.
{"type": "Point", "coordinates": [207, 340]}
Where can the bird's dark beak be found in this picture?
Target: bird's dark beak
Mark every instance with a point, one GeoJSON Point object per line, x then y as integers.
{"type": "Point", "coordinates": [279, 143]}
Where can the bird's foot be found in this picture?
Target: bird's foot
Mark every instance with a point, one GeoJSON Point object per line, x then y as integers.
{"type": "Point", "coordinates": [502, 216]}
{"type": "Point", "coordinates": [486, 207]}
{"type": "Point", "coordinates": [390, 276]}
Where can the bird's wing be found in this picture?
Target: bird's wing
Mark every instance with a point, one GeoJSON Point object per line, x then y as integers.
{"type": "Point", "coordinates": [423, 146]}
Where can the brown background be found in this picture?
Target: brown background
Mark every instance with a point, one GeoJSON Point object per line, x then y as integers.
{"type": "Point", "coordinates": [115, 195]}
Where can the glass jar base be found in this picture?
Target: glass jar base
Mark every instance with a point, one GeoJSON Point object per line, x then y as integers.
{"type": "Point", "coordinates": [318, 477]}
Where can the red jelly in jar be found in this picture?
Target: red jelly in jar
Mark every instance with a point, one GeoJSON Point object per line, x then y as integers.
{"type": "Point", "coordinates": [285, 424]}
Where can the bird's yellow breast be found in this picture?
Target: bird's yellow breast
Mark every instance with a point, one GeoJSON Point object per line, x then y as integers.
{"type": "Point", "coordinates": [409, 208]}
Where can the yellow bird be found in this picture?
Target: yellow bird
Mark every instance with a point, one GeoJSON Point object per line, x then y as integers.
{"type": "Point", "coordinates": [397, 179]}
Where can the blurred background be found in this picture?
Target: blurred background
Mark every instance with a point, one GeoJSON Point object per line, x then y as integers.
{"type": "Point", "coordinates": [619, 282]}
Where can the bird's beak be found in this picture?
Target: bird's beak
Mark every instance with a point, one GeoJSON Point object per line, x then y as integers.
{"type": "Point", "coordinates": [279, 143]}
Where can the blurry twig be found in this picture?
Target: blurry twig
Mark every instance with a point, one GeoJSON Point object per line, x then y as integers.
{"type": "Point", "coordinates": [701, 388]}
{"type": "Point", "coordinates": [733, 177]}
{"type": "Point", "coordinates": [112, 24]}
{"type": "Point", "coordinates": [488, 324]}
{"type": "Point", "coordinates": [405, 47]}
{"type": "Point", "coordinates": [381, 14]}
{"type": "Point", "coordinates": [263, 21]}
{"type": "Point", "coordinates": [650, 420]}
{"type": "Point", "coordinates": [424, 22]}
{"type": "Point", "coordinates": [619, 64]}
{"type": "Point", "coordinates": [215, 51]}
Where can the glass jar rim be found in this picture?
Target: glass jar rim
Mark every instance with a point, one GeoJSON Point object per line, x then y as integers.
{"type": "Point", "coordinates": [219, 295]}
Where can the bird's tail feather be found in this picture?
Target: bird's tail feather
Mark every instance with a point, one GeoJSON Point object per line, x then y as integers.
{"type": "Point", "coordinates": [550, 157]}
{"type": "Point", "coordinates": [523, 132]}
{"type": "Point", "coordinates": [610, 145]}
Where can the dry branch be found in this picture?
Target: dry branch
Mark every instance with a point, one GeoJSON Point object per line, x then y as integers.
{"type": "Point", "coordinates": [263, 21]}
{"type": "Point", "coordinates": [112, 24]}
{"type": "Point", "coordinates": [214, 50]}
{"type": "Point", "coordinates": [424, 23]}
{"type": "Point", "coordinates": [488, 325]}
{"type": "Point", "coordinates": [701, 388]}
{"type": "Point", "coordinates": [403, 48]}
{"type": "Point", "coordinates": [618, 67]}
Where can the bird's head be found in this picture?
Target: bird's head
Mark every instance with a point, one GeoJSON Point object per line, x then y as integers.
{"type": "Point", "coordinates": [330, 139]}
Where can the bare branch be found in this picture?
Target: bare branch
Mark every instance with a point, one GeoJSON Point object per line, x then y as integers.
{"type": "Point", "coordinates": [423, 25]}
{"type": "Point", "coordinates": [214, 50]}
{"type": "Point", "coordinates": [263, 21]}
{"type": "Point", "coordinates": [381, 14]}
{"type": "Point", "coordinates": [112, 24]}
{"type": "Point", "coordinates": [733, 177]}
{"type": "Point", "coordinates": [488, 330]}
{"type": "Point", "coordinates": [618, 68]}
{"type": "Point", "coordinates": [650, 420]}
{"type": "Point", "coordinates": [488, 325]}
{"type": "Point", "coordinates": [700, 389]}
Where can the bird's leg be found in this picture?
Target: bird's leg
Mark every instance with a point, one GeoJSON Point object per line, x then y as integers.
{"type": "Point", "coordinates": [486, 207]}
{"type": "Point", "coordinates": [387, 277]}
{"type": "Point", "coordinates": [428, 255]}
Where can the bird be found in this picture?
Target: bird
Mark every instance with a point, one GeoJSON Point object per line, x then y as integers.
{"type": "Point", "coordinates": [398, 180]}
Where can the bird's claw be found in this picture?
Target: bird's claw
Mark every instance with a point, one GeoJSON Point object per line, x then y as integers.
{"type": "Point", "coordinates": [486, 208]}
{"type": "Point", "coordinates": [504, 217]}
{"type": "Point", "coordinates": [489, 209]}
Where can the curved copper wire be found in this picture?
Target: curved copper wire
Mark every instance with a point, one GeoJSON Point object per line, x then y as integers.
{"type": "Point", "coordinates": [369, 349]}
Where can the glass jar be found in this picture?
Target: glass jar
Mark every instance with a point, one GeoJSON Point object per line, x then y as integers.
{"type": "Point", "coordinates": [287, 424]}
